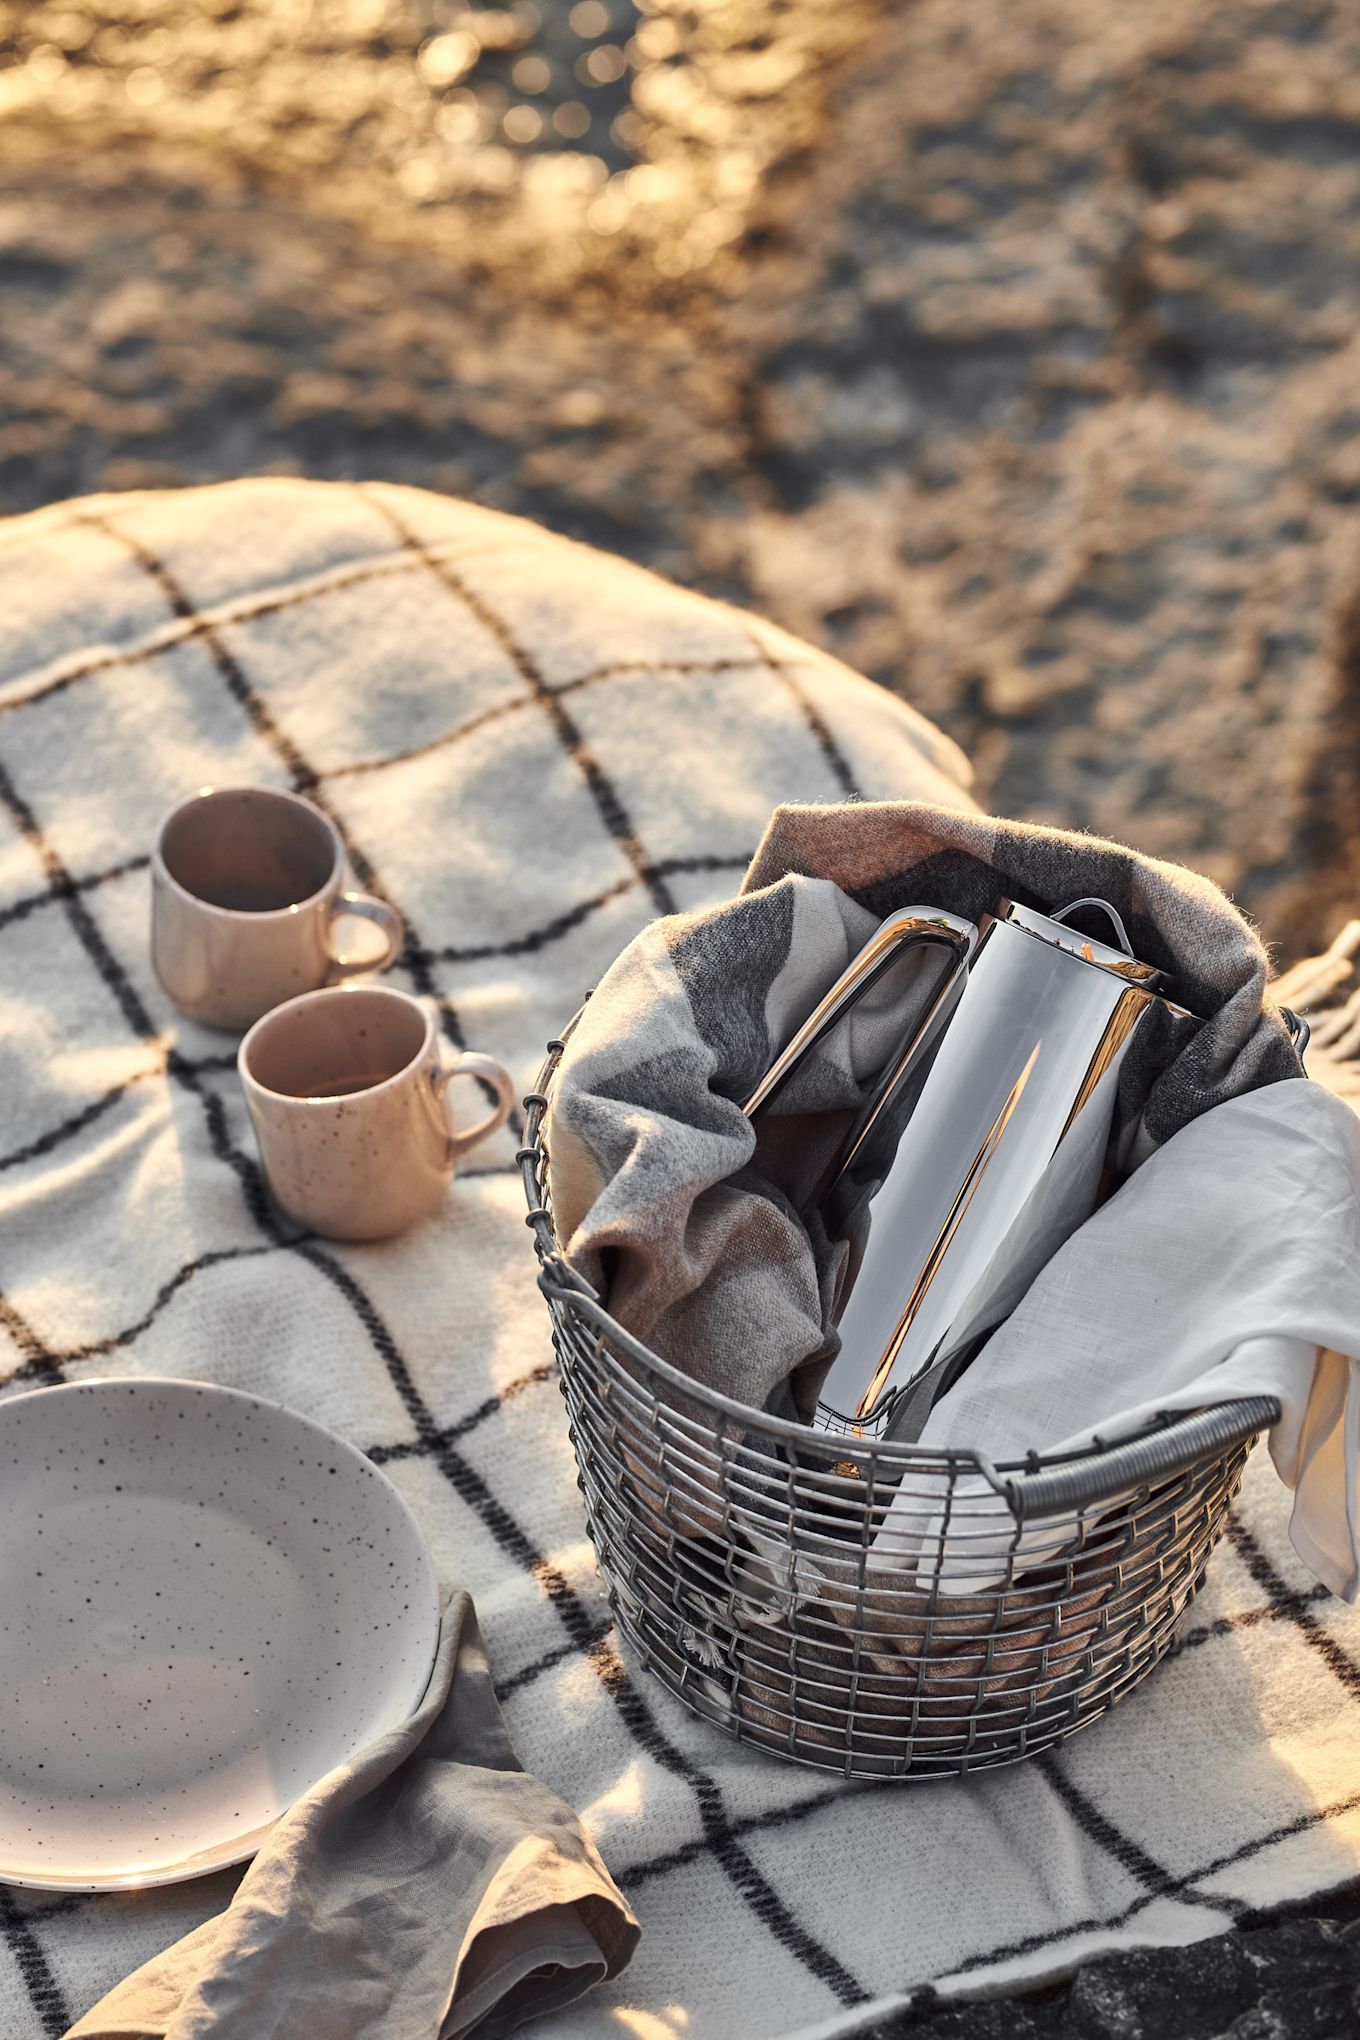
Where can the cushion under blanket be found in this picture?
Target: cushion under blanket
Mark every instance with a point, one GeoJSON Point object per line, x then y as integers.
{"type": "Point", "coordinates": [532, 750]}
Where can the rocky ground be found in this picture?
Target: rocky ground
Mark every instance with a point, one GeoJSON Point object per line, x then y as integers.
{"type": "Point", "coordinates": [1295, 1983]}
{"type": "Point", "coordinates": [1010, 348]}
{"type": "Point", "coordinates": [1295, 1979]}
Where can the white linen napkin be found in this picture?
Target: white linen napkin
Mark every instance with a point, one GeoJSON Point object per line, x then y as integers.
{"type": "Point", "coordinates": [1227, 1266]}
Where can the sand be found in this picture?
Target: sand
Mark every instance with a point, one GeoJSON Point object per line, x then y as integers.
{"type": "Point", "coordinates": [1010, 352]}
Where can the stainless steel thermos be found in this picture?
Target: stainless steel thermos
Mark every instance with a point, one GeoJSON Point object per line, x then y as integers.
{"type": "Point", "coordinates": [954, 1188]}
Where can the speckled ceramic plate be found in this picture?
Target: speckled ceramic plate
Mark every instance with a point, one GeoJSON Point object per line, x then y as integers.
{"type": "Point", "coordinates": [206, 1602]}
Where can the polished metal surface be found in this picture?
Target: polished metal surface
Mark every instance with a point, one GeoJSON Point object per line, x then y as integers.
{"type": "Point", "coordinates": [955, 1191]}
{"type": "Point", "coordinates": [908, 928]}
{"type": "Point", "coordinates": [744, 1567]}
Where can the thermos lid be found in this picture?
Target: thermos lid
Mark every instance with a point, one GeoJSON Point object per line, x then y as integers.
{"type": "Point", "coordinates": [1053, 928]}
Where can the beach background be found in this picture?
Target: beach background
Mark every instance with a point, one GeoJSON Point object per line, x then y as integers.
{"type": "Point", "coordinates": [1012, 352]}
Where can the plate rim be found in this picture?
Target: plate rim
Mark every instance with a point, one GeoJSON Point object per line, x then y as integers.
{"type": "Point", "coordinates": [186, 1868]}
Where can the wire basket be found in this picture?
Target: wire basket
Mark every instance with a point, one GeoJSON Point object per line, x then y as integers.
{"type": "Point", "coordinates": [865, 1607]}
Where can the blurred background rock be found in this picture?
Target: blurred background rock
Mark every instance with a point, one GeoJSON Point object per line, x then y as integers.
{"type": "Point", "coordinates": [1008, 348]}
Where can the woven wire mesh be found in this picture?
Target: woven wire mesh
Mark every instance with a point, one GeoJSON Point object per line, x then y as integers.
{"type": "Point", "coordinates": [874, 1609]}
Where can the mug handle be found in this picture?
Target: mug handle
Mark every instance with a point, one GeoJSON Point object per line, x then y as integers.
{"type": "Point", "coordinates": [471, 1063]}
{"type": "Point", "coordinates": [368, 909]}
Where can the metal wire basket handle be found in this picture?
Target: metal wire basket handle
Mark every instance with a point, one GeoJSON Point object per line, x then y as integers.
{"type": "Point", "coordinates": [1112, 1470]}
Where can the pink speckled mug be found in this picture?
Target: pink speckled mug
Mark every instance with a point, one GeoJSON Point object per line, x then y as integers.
{"type": "Point", "coordinates": [347, 1094]}
{"type": "Point", "coordinates": [245, 890]}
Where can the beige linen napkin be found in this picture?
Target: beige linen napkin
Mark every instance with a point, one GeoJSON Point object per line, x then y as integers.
{"type": "Point", "coordinates": [427, 1888]}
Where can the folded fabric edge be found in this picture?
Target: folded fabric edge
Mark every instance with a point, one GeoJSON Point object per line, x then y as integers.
{"type": "Point", "coordinates": [582, 1940]}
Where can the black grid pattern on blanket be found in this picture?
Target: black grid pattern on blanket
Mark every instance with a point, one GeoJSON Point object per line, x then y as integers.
{"type": "Point", "coordinates": [530, 749]}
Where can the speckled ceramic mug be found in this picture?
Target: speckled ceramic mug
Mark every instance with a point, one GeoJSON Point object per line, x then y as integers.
{"type": "Point", "coordinates": [347, 1090]}
{"type": "Point", "coordinates": [246, 885]}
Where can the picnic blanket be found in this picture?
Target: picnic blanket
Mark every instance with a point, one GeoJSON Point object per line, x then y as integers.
{"type": "Point", "coordinates": [531, 750]}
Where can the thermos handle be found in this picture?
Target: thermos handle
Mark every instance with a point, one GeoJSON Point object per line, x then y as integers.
{"type": "Point", "coordinates": [908, 928]}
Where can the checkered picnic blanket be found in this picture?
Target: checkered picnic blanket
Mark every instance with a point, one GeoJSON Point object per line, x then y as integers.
{"type": "Point", "coordinates": [530, 749]}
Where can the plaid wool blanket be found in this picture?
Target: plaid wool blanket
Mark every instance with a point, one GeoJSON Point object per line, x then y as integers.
{"type": "Point", "coordinates": [532, 750]}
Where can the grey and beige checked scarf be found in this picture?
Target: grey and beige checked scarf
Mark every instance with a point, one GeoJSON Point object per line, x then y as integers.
{"type": "Point", "coordinates": [662, 1192]}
